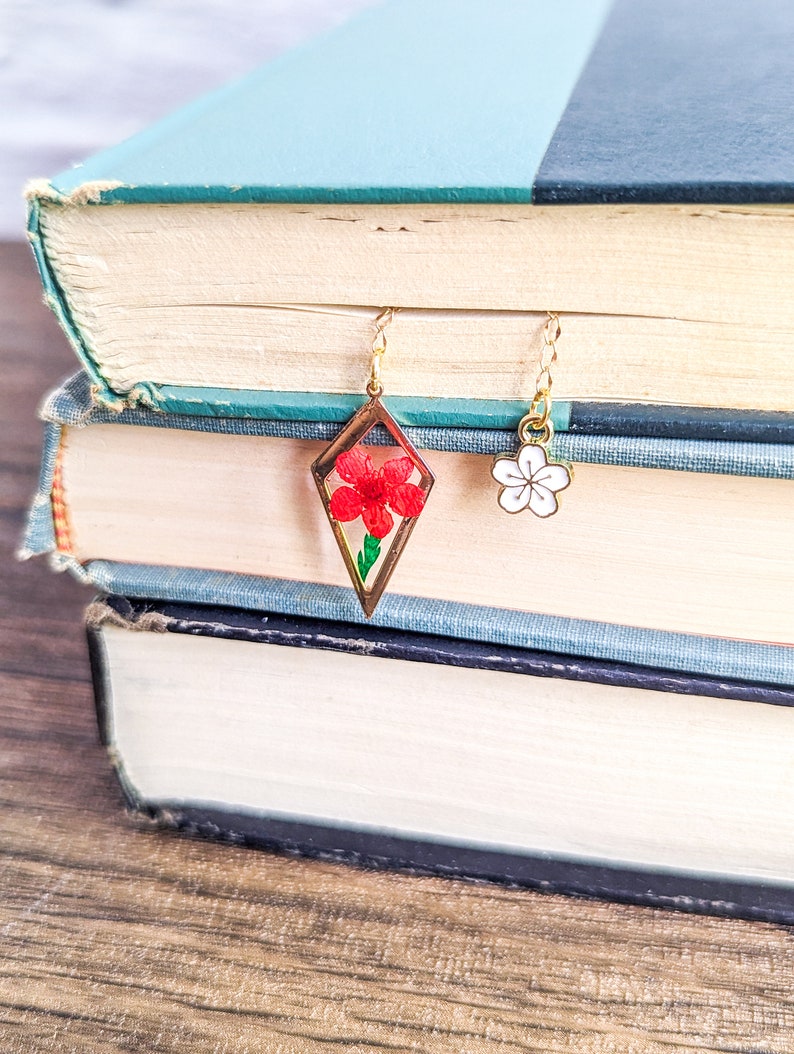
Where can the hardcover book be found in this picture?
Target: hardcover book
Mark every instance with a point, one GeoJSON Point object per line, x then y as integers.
{"type": "Point", "coordinates": [401, 750]}
{"type": "Point", "coordinates": [668, 552]}
{"type": "Point", "coordinates": [630, 166]}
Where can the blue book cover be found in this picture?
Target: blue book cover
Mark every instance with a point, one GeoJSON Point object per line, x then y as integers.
{"type": "Point", "coordinates": [71, 407]}
{"type": "Point", "coordinates": [466, 103]}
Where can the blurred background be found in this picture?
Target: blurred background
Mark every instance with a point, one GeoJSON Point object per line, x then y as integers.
{"type": "Point", "coordinates": [80, 75]}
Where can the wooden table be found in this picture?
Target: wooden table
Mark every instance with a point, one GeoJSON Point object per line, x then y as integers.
{"type": "Point", "coordinates": [118, 937]}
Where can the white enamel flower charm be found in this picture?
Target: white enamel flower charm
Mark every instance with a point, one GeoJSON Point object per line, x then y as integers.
{"type": "Point", "coordinates": [529, 481]}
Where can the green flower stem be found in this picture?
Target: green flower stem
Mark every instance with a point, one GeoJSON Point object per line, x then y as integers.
{"type": "Point", "coordinates": [368, 555]}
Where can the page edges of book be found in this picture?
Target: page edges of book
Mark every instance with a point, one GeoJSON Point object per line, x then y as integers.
{"type": "Point", "coordinates": [618, 334]}
{"type": "Point", "coordinates": [178, 476]}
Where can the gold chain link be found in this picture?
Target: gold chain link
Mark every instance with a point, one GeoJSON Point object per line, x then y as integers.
{"type": "Point", "coordinates": [385, 318]}
{"type": "Point", "coordinates": [535, 425]}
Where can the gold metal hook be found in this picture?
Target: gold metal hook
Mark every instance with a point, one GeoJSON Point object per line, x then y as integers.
{"type": "Point", "coordinates": [384, 319]}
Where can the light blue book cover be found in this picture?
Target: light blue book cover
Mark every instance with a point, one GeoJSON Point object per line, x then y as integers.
{"type": "Point", "coordinates": [72, 406]}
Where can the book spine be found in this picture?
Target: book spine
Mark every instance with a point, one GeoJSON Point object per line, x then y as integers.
{"type": "Point", "coordinates": [56, 299]}
{"type": "Point", "coordinates": [39, 536]}
{"type": "Point", "coordinates": [46, 528]}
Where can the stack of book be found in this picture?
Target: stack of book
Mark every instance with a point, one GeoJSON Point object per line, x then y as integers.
{"type": "Point", "coordinates": [598, 701]}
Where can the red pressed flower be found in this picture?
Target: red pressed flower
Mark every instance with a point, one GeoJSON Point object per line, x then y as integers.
{"type": "Point", "coordinates": [375, 491]}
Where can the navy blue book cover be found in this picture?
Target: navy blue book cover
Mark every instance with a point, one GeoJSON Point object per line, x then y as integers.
{"type": "Point", "coordinates": [543, 871]}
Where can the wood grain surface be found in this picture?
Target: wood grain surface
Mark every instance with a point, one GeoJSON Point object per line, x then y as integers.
{"type": "Point", "coordinates": [119, 937]}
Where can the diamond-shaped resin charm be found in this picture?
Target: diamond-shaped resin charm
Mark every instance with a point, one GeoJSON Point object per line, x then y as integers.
{"type": "Point", "coordinates": [372, 502]}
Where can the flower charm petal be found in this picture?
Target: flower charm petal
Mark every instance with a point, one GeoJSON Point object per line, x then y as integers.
{"type": "Point", "coordinates": [529, 481]}
{"type": "Point", "coordinates": [506, 471]}
{"type": "Point", "coordinates": [406, 499]}
{"type": "Point", "coordinates": [353, 465]}
{"type": "Point", "coordinates": [377, 520]}
{"type": "Point", "coordinates": [515, 499]}
{"type": "Point", "coordinates": [542, 501]}
{"type": "Point", "coordinates": [531, 458]}
{"type": "Point", "coordinates": [346, 504]}
{"type": "Point", "coordinates": [554, 477]}
{"type": "Point", "coordinates": [397, 470]}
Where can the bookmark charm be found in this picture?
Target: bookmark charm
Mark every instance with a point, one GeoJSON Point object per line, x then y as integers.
{"type": "Point", "coordinates": [372, 503]}
{"type": "Point", "coordinates": [528, 479]}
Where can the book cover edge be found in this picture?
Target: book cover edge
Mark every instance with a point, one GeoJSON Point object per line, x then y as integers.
{"type": "Point", "coordinates": [74, 404]}
{"type": "Point", "coordinates": [55, 297]}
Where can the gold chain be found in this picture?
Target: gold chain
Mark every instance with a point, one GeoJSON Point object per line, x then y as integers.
{"type": "Point", "coordinates": [536, 423]}
{"type": "Point", "coordinates": [537, 420]}
{"type": "Point", "coordinates": [385, 318]}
